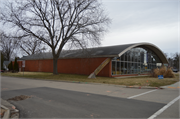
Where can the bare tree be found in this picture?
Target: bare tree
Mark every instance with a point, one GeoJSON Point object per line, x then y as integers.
{"type": "Point", "coordinates": [58, 22]}
{"type": "Point", "coordinates": [7, 45]}
{"type": "Point", "coordinates": [173, 60]}
{"type": "Point", "coordinates": [31, 45]}
{"type": "Point", "coordinates": [176, 60]}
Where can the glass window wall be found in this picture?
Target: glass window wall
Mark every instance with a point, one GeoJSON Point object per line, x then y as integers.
{"type": "Point", "coordinates": [135, 61]}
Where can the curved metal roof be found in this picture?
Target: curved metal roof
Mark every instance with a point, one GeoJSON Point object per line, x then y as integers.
{"type": "Point", "coordinates": [150, 46]}
{"type": "Point", "coordinates": [109, 51]}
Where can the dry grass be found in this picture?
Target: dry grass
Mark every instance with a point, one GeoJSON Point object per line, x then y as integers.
{"type": "Point", "coordinates": [166, 72]}
{"type": "Point", "coordinates": [135, 81]}
{"type": "Point", "coordinates": [169, 73]}
{"type": "Point", "coordinates": [155, 72]}
{"type": "Point", "coordinates": [162, 70]}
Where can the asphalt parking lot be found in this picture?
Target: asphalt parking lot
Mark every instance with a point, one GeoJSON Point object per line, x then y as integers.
{"type": "Point", "coordinates": [80, 100]}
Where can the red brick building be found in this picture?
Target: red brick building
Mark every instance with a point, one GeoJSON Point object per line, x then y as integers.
{"type": "Point", "coordinates": [112, 61]}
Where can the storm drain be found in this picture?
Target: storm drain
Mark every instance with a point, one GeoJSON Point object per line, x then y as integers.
{"type": "Point", "coordinates": [18, 98]}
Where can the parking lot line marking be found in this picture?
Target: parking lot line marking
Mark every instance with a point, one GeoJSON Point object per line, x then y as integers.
{"type": "Point", "coordinates": [164, 108]}
{"type": "Point", "coordinates": [141, 94]}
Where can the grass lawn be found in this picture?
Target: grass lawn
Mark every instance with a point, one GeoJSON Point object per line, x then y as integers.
{"type": "Point", "coordinates": [133, 81]}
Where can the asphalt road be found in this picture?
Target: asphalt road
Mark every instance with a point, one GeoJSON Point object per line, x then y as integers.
{"type": "Point", "coordinates": [51, 99]}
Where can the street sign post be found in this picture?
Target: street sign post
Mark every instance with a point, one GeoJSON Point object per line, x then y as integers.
{"type": "Point", "coordinates": [23, 65]}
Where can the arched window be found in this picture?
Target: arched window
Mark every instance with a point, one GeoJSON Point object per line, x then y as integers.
{"type": "Point", "coordinates": [137, 60]}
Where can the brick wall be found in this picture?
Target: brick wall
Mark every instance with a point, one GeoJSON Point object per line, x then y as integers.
{"type": "Point", "coordinates": [83, 66]}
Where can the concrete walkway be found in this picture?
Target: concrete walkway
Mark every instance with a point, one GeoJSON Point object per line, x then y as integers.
{"type": "Point", "coordinates": [172, 86]}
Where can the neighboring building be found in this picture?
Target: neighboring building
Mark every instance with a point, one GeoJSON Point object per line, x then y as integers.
{"type": "Point", "coordinates": [112, 61]}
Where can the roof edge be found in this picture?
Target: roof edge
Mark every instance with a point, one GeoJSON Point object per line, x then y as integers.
{"type": "Point", "coordinates": [152, 47]}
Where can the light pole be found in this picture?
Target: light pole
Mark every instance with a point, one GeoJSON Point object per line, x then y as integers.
{"type": "Point", "coordinates": [139, 70]}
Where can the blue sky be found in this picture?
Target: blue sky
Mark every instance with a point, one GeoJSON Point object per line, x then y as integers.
{"type": "Point", "coordinates": [153, 21]}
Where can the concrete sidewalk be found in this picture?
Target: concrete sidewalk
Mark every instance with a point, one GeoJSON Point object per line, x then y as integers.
{"type": "Point", "coordinates": [172, 86]}
{"type": "Point", "coordinates": [11, 111]}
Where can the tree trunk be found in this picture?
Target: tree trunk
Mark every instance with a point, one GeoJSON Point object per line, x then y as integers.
{"type": "Point", "coordinates": [55, 71]}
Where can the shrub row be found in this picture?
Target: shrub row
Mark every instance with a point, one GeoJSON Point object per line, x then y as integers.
{"type": "Point", "coordinates": [15, 67]}
{"type": "Point", "coordinates": [166, 72]}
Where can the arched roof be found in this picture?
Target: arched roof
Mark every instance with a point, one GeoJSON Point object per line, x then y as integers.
{"type": "Point", "coordinates": [108, 51]}
{"type": "Point", "coordinates": [150, 46]}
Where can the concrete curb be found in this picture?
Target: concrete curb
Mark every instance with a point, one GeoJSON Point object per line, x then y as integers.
{"type": "Point", "coordinates": [172, 86]}
{"type": "Point", "coordinates": [143, 87]}
{"type": "Point", "coordinates": [137, 76]}
{"type": "Point", "coordinates": [11, 111]}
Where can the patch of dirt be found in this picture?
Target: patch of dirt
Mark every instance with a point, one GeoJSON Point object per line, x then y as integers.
{"type": "Point", "coordinates": [21, 97]}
